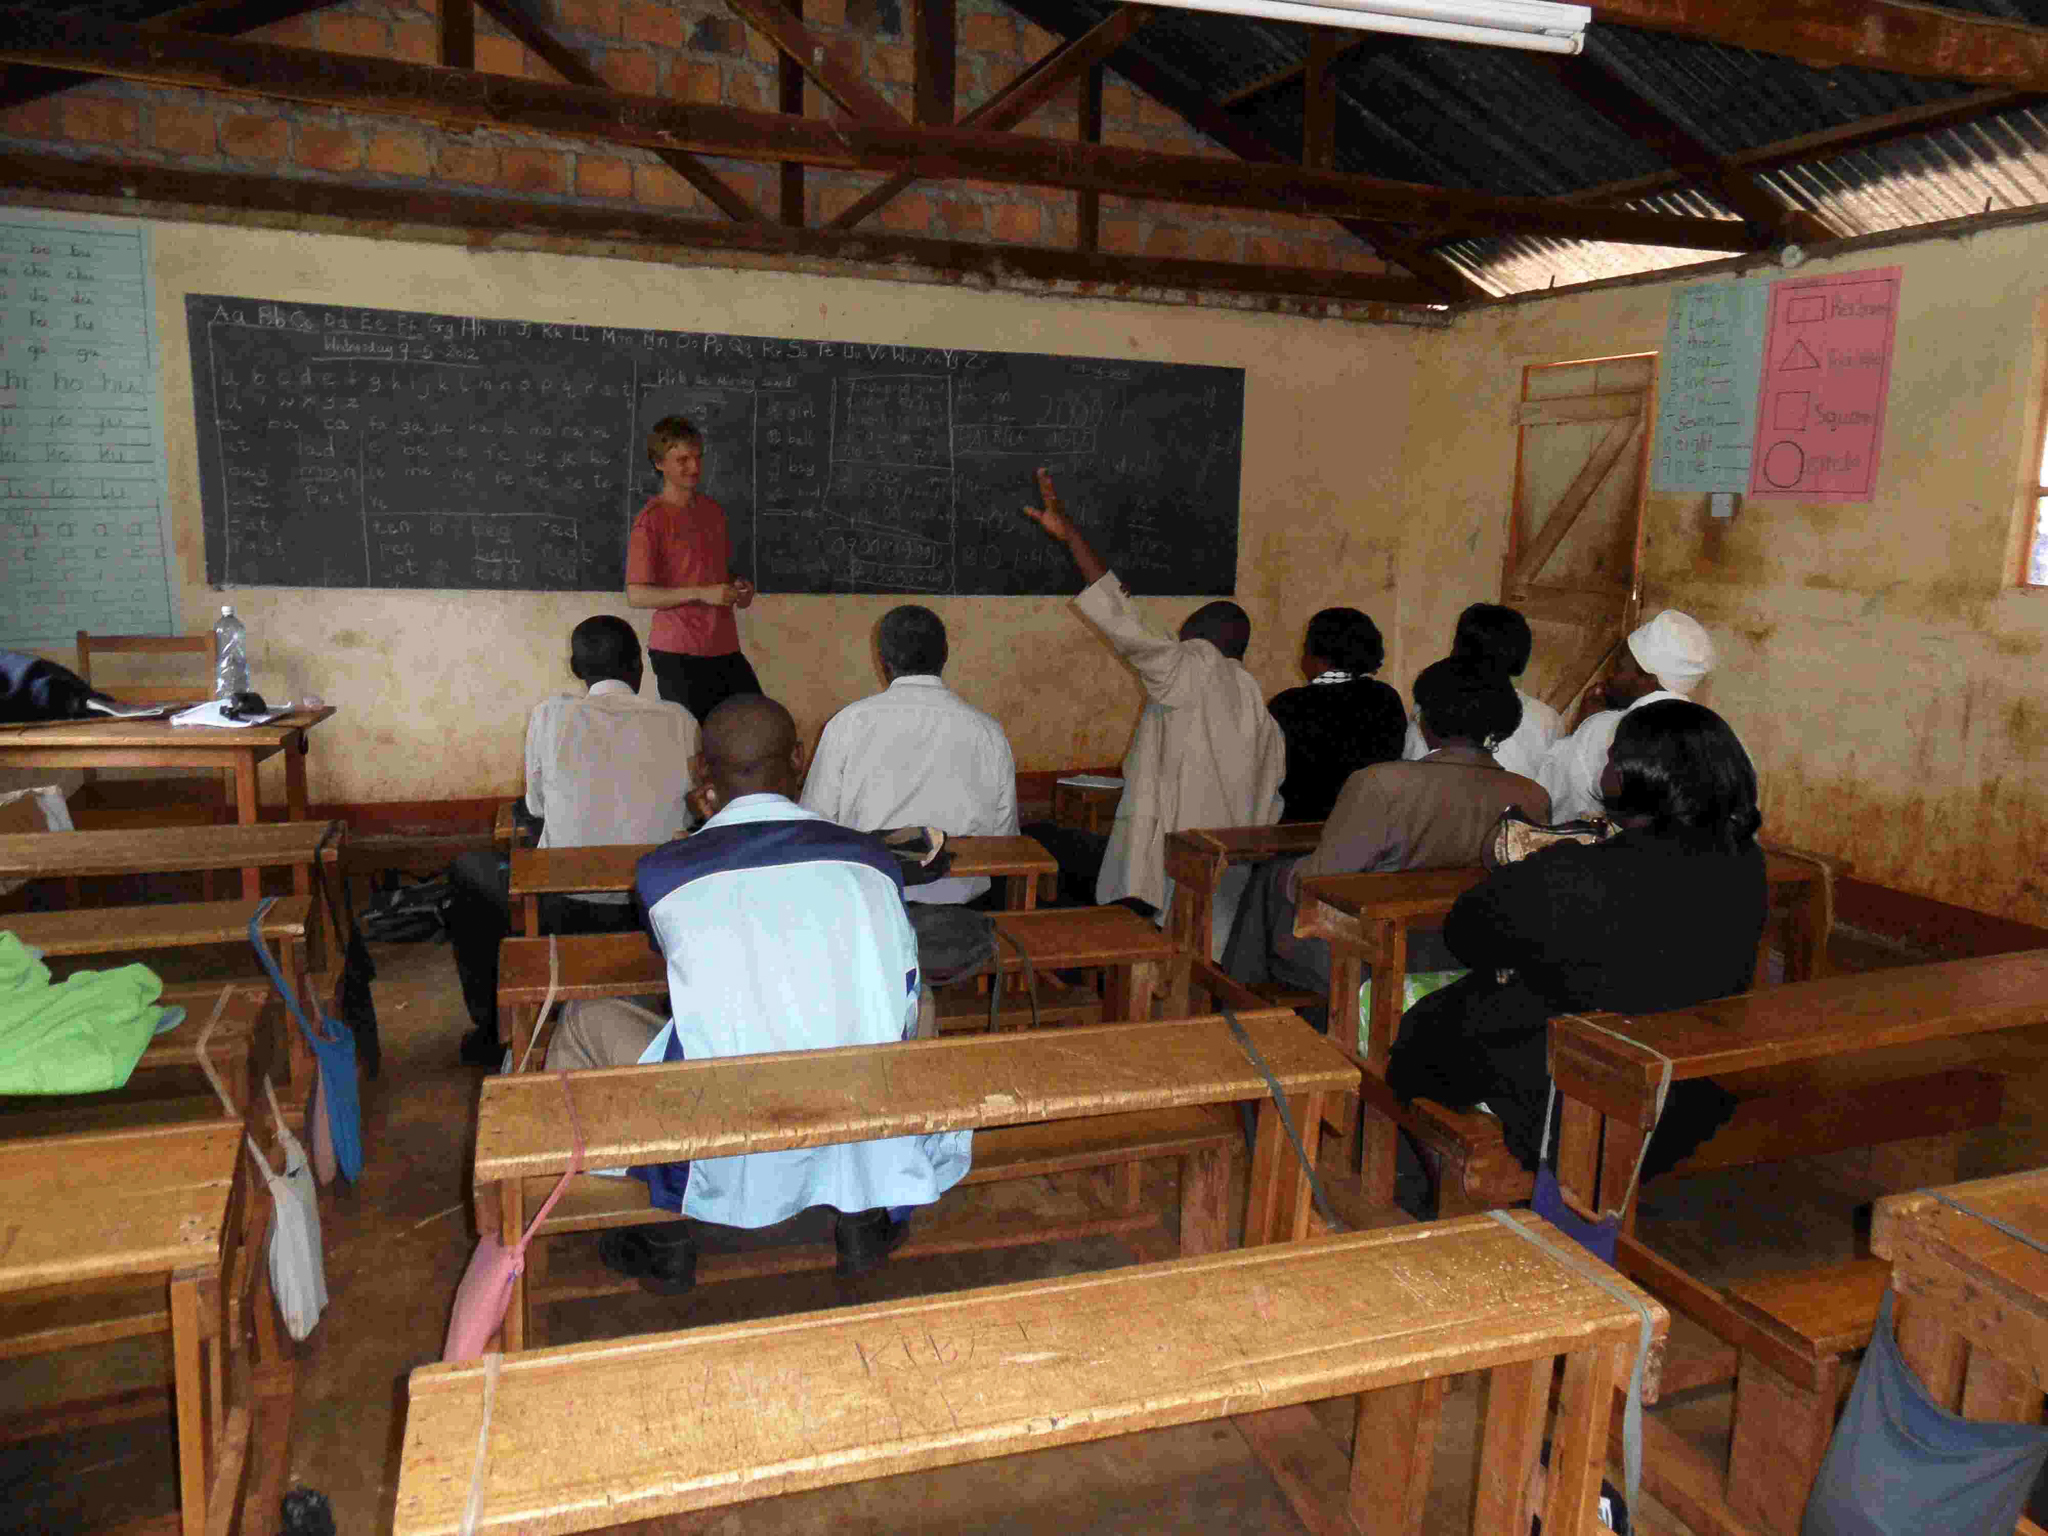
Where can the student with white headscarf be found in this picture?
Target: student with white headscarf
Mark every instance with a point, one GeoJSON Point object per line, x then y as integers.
{"type": "Point", "coordinates": [1666, 658]}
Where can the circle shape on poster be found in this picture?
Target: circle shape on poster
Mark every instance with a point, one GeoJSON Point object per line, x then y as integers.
{"type": "Point", "coordinates": [1784, 463]}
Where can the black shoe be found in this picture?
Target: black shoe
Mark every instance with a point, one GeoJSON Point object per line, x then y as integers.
{"type": "Point", "coordinates": [662, 1258]}
{"type": "Point", "coordinates": [482, 1048]}
{"type": "Point", "coordinates": [865, 1239]}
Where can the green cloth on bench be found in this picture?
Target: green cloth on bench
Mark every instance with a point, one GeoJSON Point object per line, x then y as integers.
{"type": "Point", "coordinates": [81, 1035]}
{"type": "Point", "coordinates": [1419, 985]}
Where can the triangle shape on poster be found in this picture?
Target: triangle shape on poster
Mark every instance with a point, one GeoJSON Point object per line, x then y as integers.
{"type": "Point", "coordinates": [1798, 358]}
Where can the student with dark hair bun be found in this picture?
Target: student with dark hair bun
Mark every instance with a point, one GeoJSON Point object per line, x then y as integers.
{"type": "Point", "coordinates": [1665, 914]}
{"type": "Point", "coordinates": [1343, 720]}
{"type": "Point", "coordinates": [1499, 637]}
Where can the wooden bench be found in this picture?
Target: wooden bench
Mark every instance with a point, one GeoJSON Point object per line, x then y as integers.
{"type": "Point", "coordinates": [1117, 1078]}
{"type": "Point", "coordinates": [1138, 962]}
{"type": "Point", "coordinates": [825, 1399]}
{"type": "Point", "coordinates": [1365, 920]}
{"type": "Point", "coordinates": [293, 845]}
{"type": "Point", "coordinates": [112, 1234]}
{"type": "Point", "coordinates": [538, 872]}
{"type": "Point", "coordinates": [1825, 1066]}
{"type": "Point", "coordinates": [1198, 859]}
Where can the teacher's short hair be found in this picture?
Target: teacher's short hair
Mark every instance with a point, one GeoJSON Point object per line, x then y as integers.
{"type": "Point", "coordinates": [668, 432]}
{"type": "Point", "coordinates": [911, 641]}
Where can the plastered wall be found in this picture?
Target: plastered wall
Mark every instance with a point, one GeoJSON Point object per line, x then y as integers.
{"type": "Point", "coordinates": [1876, 658]}
{"type": "Point", "coordinates": [434, 687]}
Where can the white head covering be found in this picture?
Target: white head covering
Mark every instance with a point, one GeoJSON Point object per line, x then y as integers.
{"type": "Point", "coordinates": [1675, 649]}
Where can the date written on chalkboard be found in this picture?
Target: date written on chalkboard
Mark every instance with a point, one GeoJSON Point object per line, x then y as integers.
{"type": "Point", "coordinates": [351, 447]}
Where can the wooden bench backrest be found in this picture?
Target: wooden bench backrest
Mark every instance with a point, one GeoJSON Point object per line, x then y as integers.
{"type": "Point", "coordinates": [568, 871]}
{"type": "Point", "coordinates": [198, 684]}
{"type": "Point", "coordinates": [96, 1206]}
{"type": "Point", "coordinates": [1800, 1022]}
{"type": "Point", "coordinates": [174, 925]}
{"type": "Point", "coordinates": [166, 850]}
{"type": "Point", "coordinates": [688, 1420]}
{"type": "Point", "coordinates": [764, 1103]}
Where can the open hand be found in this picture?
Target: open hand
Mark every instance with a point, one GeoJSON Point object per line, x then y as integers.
{"type": "Point", "coordinates": [742, 593]}
{"type": "Point", "coordinates": [1051, 516]}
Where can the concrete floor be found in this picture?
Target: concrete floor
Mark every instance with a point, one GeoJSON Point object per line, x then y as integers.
{"type": "Point", "coordinates": [398, 1241]}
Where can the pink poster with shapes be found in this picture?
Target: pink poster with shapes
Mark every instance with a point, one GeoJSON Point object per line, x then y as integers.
{"type": "Point", "coordinates": [1827, 369]}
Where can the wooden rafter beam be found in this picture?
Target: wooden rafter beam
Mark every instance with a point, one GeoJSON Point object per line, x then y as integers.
{"type": "Point", "coordinates": [565, 61]}
{"type": "Point", "coordinates": [1896, 35]}
{"type": "Point", "coordinates": [1691, 156]}
{"type": "Point", "coordinates": [1319, 101]}
{"type": "Point", "coordinates": [1088, 130]}
{"type": "Point", "coordinates": [938, 60]}
{"type": "Point", "coordinates": [220, 18]}
{"type": "Point", "coordinates": [1387, 237]}
{"type": "Point", "coordinates": [1279, 77]}
{"type": "Point", "coordinates": [1023, 96]}
{"type": "Point", "coordinates": [475, 99]}
{"type": "Point", "coordinates": [456, 27]}
{"type": "Point", "coordinates": [432, 209]}
{"type": "Point", "coordinates": [1865, 133]}
{"type": "Point", "coordinates": [833, 67]}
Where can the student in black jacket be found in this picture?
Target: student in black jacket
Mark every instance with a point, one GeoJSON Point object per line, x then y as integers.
{"type": "Point", "coordinates": [1666, 914]}
{"type": "Point", "coordinates": [1343, 720]}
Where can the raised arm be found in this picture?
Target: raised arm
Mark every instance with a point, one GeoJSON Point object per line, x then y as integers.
{"type": "Point", "coordinates": [1053, 519]}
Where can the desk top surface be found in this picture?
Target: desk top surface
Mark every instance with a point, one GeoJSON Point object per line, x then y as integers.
{"type": "Point", "coordinates": [1236, 845]}
{"type": "Point", "coordinates": [565, 871]}
{"type": "Point", "coordinates": [162, 850]}
{"type": "Point", "coordinates": [737, 1104]}
{"type": "Point", "coordinates": [109, 732]}
{"type": "Point", "coordinates": [709, 1416]}
{"type": "Point", "coordinates": [120, 1203]}
{"type": "Point", "coordinates": [1802, 1021]}
{"type": "Point", "coordinates": [1919, 1233]}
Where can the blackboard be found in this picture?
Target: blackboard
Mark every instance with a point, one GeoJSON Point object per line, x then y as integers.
{"type": "Point", "coordinates": [348, 447]}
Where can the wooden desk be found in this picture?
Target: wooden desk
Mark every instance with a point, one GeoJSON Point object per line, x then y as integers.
{"type": "Point", "coordinates": [1198, 859]}
{"type": "Point", "coordinates": [538, 872]}
{"type": "Point", "coordinates": [1140, 963]}
{"type": "Point", "coordinates": [1083, 805]}
{"type": "Point", "coordinates": [1972, 1308]}
{"type": "Point", "coordinates": [156, 744]}
{"type": "Point", "coordinates": [143, 1207]}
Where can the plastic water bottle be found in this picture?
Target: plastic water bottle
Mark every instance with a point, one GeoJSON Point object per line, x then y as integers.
{"type": "Point", "coordinates": [230, 656]}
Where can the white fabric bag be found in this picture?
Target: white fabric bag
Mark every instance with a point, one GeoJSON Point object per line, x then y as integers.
{"type": "Point", "coordinates": [298, 1267]}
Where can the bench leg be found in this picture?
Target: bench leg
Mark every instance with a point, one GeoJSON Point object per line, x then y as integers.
{"type": "Point", "coordinates": [1020, 893]}
{"type": "Point", "coordinates": [188, 1400]}
{"type": "Point", "coordinates": [1578, 1446]}
{"type": "Point", "coordinates": [1392, 1450]}
{"type": "Point", "coordinates": [1204, 1194]}
{"type": "Point", "coordinates": [1517, 1403]}
{"type": "Point", "coordinates": [1277, 1209]}
{"type": "Point", "coordinates": [511, 1227]}
{"type": "Point", "coordinates": [1781, 1433]}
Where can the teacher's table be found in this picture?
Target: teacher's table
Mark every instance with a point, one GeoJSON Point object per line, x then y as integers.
{"type": "Point", "coordinates": [158, 744]}
{"type": "Point", "coordinates": [538, 872]}
{"type": "Point", "coordinates": [146, 1207]}
{"type": "Point", "coordinates": [1198, 859]}
{"type": "Point", "coordinates": [1365, 919]}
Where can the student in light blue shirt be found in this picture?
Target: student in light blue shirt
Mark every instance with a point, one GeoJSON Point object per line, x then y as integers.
{"type": "Point", "coordinates": [782, 932]}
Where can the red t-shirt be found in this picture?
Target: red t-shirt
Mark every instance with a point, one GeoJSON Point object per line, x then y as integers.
{"type": "Point", "coordinates": [684, 547]}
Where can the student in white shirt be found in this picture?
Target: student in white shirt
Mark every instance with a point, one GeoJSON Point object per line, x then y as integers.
{"type": "Point", "coordinates": [1206, 753]}
{"type": "Point", "coordinates": [916, 754]}
{"type": "Point", "coordinates": [602, 767]}
{"type": "Point", "coordinates": [1666, 658]}
{"type": "Point", "coordinates": [1498, 634]}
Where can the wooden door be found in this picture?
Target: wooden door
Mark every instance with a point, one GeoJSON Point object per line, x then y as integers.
{"type": "Point", "coordinates": [1574, 558]}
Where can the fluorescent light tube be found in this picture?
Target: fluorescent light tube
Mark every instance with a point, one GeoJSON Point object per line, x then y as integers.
{"type": "Point", "coordinates": [1528, 24]}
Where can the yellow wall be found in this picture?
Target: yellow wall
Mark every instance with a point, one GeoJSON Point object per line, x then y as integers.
{"type": "Point", "coordinates": [434, 686]}
{"type": "Point", "coordinates": [1876, 658]}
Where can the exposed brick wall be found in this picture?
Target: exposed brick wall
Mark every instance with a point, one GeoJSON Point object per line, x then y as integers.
{"type": "Point", "coordinates": [691, 52]}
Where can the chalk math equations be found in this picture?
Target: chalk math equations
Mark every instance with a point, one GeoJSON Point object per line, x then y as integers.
{"type": "Point", "coordinates": [351, 447]}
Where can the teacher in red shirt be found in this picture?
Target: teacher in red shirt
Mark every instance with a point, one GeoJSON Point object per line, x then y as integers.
{"type": "Point", "coordinates": [676, 564]}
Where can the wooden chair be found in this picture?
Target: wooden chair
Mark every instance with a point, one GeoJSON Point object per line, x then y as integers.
{"type": "Point", "coordinates": [686, 1421]}
{"type": "Point", "coordinates": [192, 799]}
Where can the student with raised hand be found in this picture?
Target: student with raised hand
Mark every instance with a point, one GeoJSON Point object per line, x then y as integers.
{"type": "Point", "coordinates": [1206, 752]}
{"type": "Point", "coordinates": [782, 932]}
{"type": "Point", "coordinates": [677, 563]}
{"type": "Point", "coordinates": [1494, 633]}
{"type": "Point", "coordinates": [1343, 719]}
{"type": "Point", "coordinates": [916, 754]}
{"type": "Point", "coordinates": [1666, 658]}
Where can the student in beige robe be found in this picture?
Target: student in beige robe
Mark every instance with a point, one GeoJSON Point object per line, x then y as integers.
{"type": "Point", "coordinates": [1206, 752]}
